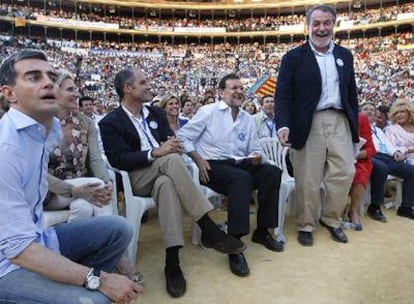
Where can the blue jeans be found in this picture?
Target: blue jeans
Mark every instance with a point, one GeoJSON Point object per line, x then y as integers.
{"type": "Point", "coordinates": [383, 165]}
{"type": "Point", "coordinates": [97, 242]}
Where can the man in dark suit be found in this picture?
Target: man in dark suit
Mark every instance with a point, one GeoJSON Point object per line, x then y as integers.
{"type": "Point", "coordinates": [316, 113]}
{"type": "Point", "coordinates": [138, 139]}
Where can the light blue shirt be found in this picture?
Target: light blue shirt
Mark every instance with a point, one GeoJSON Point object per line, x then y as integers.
{"type": "Point", "coordinates": [381, 142]}
{"type": "Point", "coordinates": [24, 154]}
{"type": "Point", "coordinates": [330, 96]}
{"type": "Point", "coordinates": [266, 127]}
{"type": "Point", "coordinates": [215, 136]}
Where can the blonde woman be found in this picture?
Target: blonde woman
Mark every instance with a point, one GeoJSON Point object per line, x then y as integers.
{"type": "Point", "coordinates": [401, 132]}
{"type": "Point", "coordinates": [170, 104]}
{"type": "Point", "coordinates": [78, 177]}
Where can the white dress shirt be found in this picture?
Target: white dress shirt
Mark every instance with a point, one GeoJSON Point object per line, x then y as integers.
{"type": "Point", "coordinates": [330, 96]}
{"type": "Point", "coordinates": [215, 136]}
{"type": "Point", "coordinates": [381, 142]}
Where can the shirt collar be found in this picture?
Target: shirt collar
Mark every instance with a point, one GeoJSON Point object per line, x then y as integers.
{"type": "Point", "coordinates": [224, 106]}
{"type": "Point", "coordinates": [145, 111]}
{"type": "Point", "coordinates": [330, 48]}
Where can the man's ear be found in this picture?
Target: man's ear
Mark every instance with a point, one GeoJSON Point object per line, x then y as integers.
{"type": "Point", "coordinates": [9, 94]}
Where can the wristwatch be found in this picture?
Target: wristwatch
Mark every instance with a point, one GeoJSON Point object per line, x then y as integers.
{"type": "Point", "coordinates": [92, 280]}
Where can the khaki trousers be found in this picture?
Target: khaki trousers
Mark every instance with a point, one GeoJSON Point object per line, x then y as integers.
{"type": "Point", "coordinates": [168, 181]}
{"type": "Point", "coordinates": [326, 158]}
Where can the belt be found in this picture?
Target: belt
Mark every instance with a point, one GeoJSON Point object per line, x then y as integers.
{"type": "Point", "coordinates": [332, 109]}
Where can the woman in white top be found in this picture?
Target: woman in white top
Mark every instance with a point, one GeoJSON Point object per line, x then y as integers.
{"type": "Point", "coordinates": [401, 132]}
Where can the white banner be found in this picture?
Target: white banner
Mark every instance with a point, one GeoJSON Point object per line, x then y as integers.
{"type": "Point", "coordinates": [79, 23]}
{"type": "Point", "coordinates": [199, 29]}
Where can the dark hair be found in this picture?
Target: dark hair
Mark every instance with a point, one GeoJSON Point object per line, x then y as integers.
{"type": "Point", "coordinates": [123, 77]}
{"type": "Point", "coordinates": [7, 70]}
{"type": "Point", "coordinates": [222, 83]}
{"type": "Point", "coordinates": [384, 109]}
{"type": "Point", "coordinates": [84, 98]}
{"type": "Point", "coordinates": [320, 7]}
{"type": "Point", "coordinates": [265, 96]}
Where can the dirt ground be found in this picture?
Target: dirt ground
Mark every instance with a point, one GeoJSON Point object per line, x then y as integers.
{"type": "Point", "coordinates": [375, 267]}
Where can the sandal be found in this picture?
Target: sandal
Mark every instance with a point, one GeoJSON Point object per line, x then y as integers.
{"type": "Point", "coordinates": [354, 219]}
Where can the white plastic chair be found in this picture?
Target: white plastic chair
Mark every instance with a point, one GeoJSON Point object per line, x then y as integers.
{"type": "Point", "coordinates": [276, 155]}
{"type": "Point", "coordinates": [366, 199]}
{"type": "Point", "coordinates": [135, 207]}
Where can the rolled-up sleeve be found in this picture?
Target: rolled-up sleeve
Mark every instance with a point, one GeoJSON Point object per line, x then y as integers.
{"type": "Point", "coordinates": [17, 228]}
{"type": "Point", "coordinates": [192, 131]}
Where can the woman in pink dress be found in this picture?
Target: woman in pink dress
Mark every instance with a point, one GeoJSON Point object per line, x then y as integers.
{"type": "Point", "coordinates": [401, 132]}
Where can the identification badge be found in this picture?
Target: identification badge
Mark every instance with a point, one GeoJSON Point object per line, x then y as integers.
{"type": "Point", "coordinates": [383, 148]}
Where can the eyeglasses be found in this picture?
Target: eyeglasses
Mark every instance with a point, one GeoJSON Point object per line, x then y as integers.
{"type": "Point", "coordinates": [235, 88]}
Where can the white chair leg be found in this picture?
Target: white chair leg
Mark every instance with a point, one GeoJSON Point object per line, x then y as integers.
{"type": "Point", "coordinates": [283, 195]}
{"type": "Point", "coordinates": [134, 215]}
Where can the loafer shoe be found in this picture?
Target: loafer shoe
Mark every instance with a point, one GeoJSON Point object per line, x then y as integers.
{"type": "Point", "coordinates": [406, 212]}
{"type": "Point", "coordinates": [176, 284]}
{"type": "Point", "coordinates": [238, 265]}
{"type": "Point", "coordinates": [227, 244]}
{"type": "Point", "coordinates": [375, 213]}
{"type": "Point", "coordinates": [267, 240]}
{"type": "Point", "coordinates": [336, 233]}
{"type": "Point", "coordinates": [305, 238]}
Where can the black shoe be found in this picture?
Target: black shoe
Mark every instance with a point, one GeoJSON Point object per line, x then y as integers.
{"type": "Point", "coordinates": [227, 244]}
{"type": "Point", "coordinates": [406, 212]}
{"type": "Point", "coordinates": [375, 213]}
{"type": "Point", "coordinates": [305, 238]}
{"type": "Point", "coordinates": [176, 284]}
{"type": "Point", "coordinates": [238, 265]}
{"type": "Point", "coordinates": [336, 233]}
{"type": "Point", "coordinates": [267, 240]}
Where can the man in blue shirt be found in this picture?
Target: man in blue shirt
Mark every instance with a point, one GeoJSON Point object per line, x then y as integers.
{"type": "Point", "coordinates": [68, 263]}
{"type": "Point", "coordinates": [222, 140]}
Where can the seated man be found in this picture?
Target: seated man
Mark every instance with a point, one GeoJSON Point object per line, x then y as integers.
{"type": "Point", "coordinates": [222, 140]}
{"type": "Point", "coordinates": [138, 139]}
{"type": "Point", "coordinates": [265, 119]}
{"type": "Point", "coordinates": [388, 160]}
{"type": "Point", "coordinates": [62, 263]}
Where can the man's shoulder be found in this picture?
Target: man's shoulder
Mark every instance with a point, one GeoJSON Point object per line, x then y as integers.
{"type": "Point", "coordinates": [111, 116]}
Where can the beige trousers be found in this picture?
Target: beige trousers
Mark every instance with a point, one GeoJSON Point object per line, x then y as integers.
{"type": "Point", "coordinates": [169, 182]}
{"type": "Point", "coordinates": [326, 158]}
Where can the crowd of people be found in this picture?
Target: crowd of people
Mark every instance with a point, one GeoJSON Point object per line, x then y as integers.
{"type": "Point", "coordinates": [52, 141]}
{"type": "Point", "coordinates": [233, 23]}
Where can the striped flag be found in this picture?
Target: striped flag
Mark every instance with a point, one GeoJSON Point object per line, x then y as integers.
{"type": "Point", "coordinates": [267, 87]}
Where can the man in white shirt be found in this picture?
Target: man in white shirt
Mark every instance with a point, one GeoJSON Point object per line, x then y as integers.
{"type": "Point", "coordinates": [138, 139]}
{"type": "Point", "coordinates": [222, 140]}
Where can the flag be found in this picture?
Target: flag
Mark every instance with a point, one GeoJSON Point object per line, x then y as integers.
{"type": "Point", "coordinates": [20, 21]}
{"type": "Point", "coordinates": [268, 87]}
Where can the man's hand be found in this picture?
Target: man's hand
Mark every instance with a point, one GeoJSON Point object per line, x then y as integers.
{"type": "Point", "coordinates": [172, 145]}
{"type": "Point", "coordinates": [399, 156]}
{"type": "Point", "coordinates": [283, 136]}
{"type": "Point", "coordinates": [119, 288]}
{"type": "Point", "coordinates": [203, 167]}
{"type": "Point", "coordinates": [256, 159]}
{"type": "Point", "coordinates": [89, 192]}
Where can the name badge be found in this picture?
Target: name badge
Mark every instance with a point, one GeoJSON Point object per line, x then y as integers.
{"type": "Point", "coordinates": [383, 148]}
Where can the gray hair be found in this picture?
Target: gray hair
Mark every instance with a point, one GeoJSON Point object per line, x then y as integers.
{"type": "Point", "coordinates": [320, 7]}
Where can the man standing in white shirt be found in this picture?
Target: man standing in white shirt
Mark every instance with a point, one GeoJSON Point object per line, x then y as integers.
{"type": "Point", "coordinates": [222, 140]}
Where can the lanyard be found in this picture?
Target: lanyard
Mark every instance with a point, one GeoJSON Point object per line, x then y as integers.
{"type": "Point", "coordinates": [269, 127]}
{"type": "Point", "coordinates": [374, 130]}
{"type": "Point", "coordinates": [144, 129]}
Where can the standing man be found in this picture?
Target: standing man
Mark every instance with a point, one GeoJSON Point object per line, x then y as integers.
{"type": "Point", "coordinates": [138, 139]}
{"type": "Point", "coordinates": [68, 263]}
{"type": "Point", "coordinates": [317, 115]}
{"type": "Point", "coordinates": [222, 140]}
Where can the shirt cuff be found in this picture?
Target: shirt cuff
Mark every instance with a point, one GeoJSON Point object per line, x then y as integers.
{"type": "Point", "coordinates": [149, 156]}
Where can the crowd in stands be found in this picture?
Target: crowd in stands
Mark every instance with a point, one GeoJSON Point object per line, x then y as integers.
{"type": "Point", "coordinates": [233, 23]}
{"type": "Point", "coordinates": [384, 72]}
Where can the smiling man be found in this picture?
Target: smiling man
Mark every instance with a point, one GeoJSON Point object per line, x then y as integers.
{"type": "Point", "coordinates": [316, 111]}
{"type": "Point", "coordinates": [222, 140]}
{"type": "Point", "coordinates": [138, 139]}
